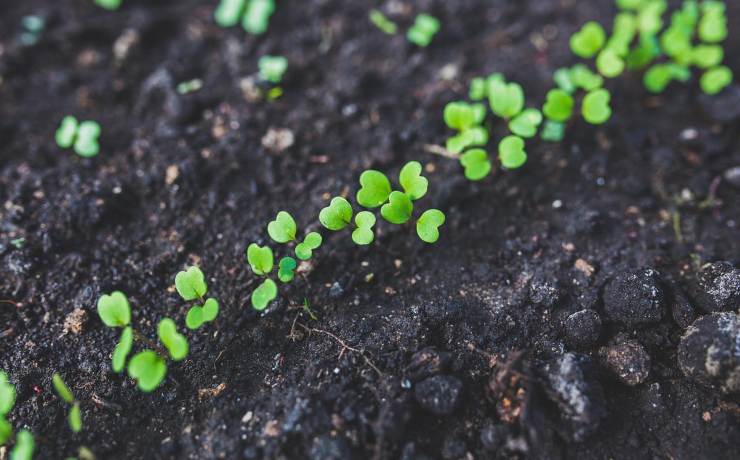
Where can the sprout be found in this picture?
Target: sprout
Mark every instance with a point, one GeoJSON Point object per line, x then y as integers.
{"type": "Point", "coordinates": [413, 183]}
{"type": "Point", "coordinates": [114, 309]}
{"type": "Point", "coordinates": [713, 24]}
{"type": "Point", "coordinates": [427, 227]}
{"type": "Point", "coordinates": [175, 342]}
{"type": "Point", "coordinates": [511, 152]}
{"type": "Point", "coordinates": [260, 259]}
{"type": "Point", "coordinates": [478, 90]}
{"type": "Point", "coordinates": [109, 4]}
{"type": "Point", "coordinates": [375, 189]}
{"type": "Point", "coordinates": [716, 79]}
{"type": "Point", "coordinates": [148, 369]}
{"type": "Point", "coordinates": [564, 80]}
{"type": "Point", "coordinates": [596, 109]}
{"type": "Point", "coordinates": [423, 30]}
{"type": "Point", "coordinates": [589, 40]}
{"type": "Point", "coordinates": [398, 209]}
{"type": "Point", "coordinates": [283, 228]}
{"type": "Point", "coordinates": [304, 250]}
{"type": "Point", "coordinates": [383, 23]}
{"type": "Point", "coordinates": [74, 418]}
{"type": "Point", "coordinates": [609, 63]}
{"type": "Point", "coordinates": [658, 77]}
{"type": "Point", "coordinates": [82, 137]}
{"type": "Point", "coordinates": [506, 99]}
{"type": "Point", "coordinates": [191, 284]}
{"type": "Point", "coordinates": [24, 446]}
{"type": "Point", "coordinates": [462, 116]}
{"type": "Point", "coordinates": [7, 395]}
{"type": "Point", "coordinates": [253, 14]}
{"type": "Point", "coordinates": [338, 214]}
{"type": "Point", "coordinates": [526, 123]}
{"type": "Point", "coordinates": [229, 12]}
{"type": "Point", "coordinates": [363, 234]}
{"type": "Point", "coordinates": [264, 294]}
{"type": "Point", "coordinates": [476, 164]}
{"type": "Point", "coordinates": [272, 68]}
{"type": "Point", "coordinates": [122, 349]}
{"type": "Point", "coordinates": [286, 269]}
{"type": "Point", "coordinates": [584, 78]}
{"type": "Point", "coordinates": [558, 106]}
{"type": "Point", "coordinates": [553, 131]}
{"type": "Point", "coordinates": [198, 315]}
{"type": "Point", "coordinates": [706, 56]}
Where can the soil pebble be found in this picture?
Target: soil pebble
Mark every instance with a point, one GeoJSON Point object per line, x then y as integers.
{"type": "Point", "coordinates": [683, 312]}
{"type": "Point", "coordinates": [732, 176]}
{"type": "Point", "coordinates": [583, 329]}
{"type": "Point", "coordinates": [628, 360]}
{"type": "Point", "coordinates": [717, 287]}
{"type": "Point", "coordinates": [426, 363]}
{"type": "Point", "coordinates": [439, 394]}
{"type": "Point", "coordinates": [709, 352]}
{"type": "Point", "coordinates": [573, 387]}
{"type": "Point", "coordinates": [635, 297]}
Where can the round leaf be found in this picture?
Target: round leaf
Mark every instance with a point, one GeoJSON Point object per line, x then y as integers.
{"type": "Point", "coordinates": [122, 349]}
{"type": "Point", "coordinates": [609, 63]}
{"type": "Point", "coordinates": [114, 309]}
{"type": "Point", "coordinates": [191, 283]}
{"type": "Point", "coordinates": [476, 164]}
{"type": "Point", "coordinates": [363, 234]}
{"type": "Point", "coordinates": [337, 215]}
{"type": "Point", "coordinates": [526, 123]}
{"type": "Point", "coordinates": [229, 12]}
{"type": "Point", "coordinates": [210, 310]}
{"type": "Point", "coordinates": [175, 342]}
{"type": "Point", "coordinates": [427, 227]}
{"type": "Point", "coordinates": [304, 250]}
{"type": "Point", "coordinates": [716, 79]}
{"type": "Point", "coordinates": [148, 369]}
{"type": "Point", "coordinates": [589, 40]}
{"type": "Point", "coordinates": [398, 209]}
{"type": "Point", "coordinates": [65, 134]}
{"type": "Point", "coordinates": [264, 294]}
{"type": "Point", "coordinates": [194, 318]}
{"type": "Point", "coordinates": [86, 144]}
{"type": "Point", "coordinates": [283, 228]}
{"type": "Point", "coordinates": [558, 106]}
{"type": "Point", "coordinates": [596, 109]}
{"type": "Point", "coordinates": [7, 394]}
{"type": "Point", "coordinates": [24, 446]}
{"type": "Point", "coordinates": [375, 189]}
{"type": "Point", "coordinates": [414, 184]}
{"type": "Point", "coordinates": [260, 259]}
{"type": "Point", "coordinates": [286, 269]}
{"type": "Point", "coordinates": [511, 152]}
{"type": "Point", "coordinates": [506, 99]}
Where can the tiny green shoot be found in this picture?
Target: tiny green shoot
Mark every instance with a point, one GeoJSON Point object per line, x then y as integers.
{"type": "Point", "coordinates": [272, 68]}
{"type": "Point", "coordinates": [24, 446]}
{"type": "Point", "coordinates": [114, 309]}
{"type": "Point", "coordinates": [423, 30]}
{"type": "Point", "coordinates": [398, 209]}
{"type": "Point", "coordinates": [475, 164]}
{"type": "Point", "coordinates": [74, 418]}
{"type": "Point", "coordinates": [264, 294]}
{"type": "Point", "coordinates": [82, 137]}
{"type": "Point", "coordinates": [558, 105]}
{"type": "Point", "coordinates": [176, 343]}
{"type": "Point", "coordinates": [375, 189]}
{"type": "Point", "coordinates": [526, 123]}
{"type": "Point", "coordinates": [148, 369]}
{"type": "Point", "coordinates": [382, 22]}
{"type": "Point", "coordinates": [283, 229]}
{"type": "Point", "coordinates": [338, 214]}
{"type": "Point", "coordinates": [191, 283]}
{"type": "Point", "coordinates": [413, 183]}
{"type": "Point", "coordinates": [596, 109]}
{"type": "Point", "coordinates": [363, 234]}
{"type": "Point", "coordinates": [304, 250]}
{"type": "Point", "coordinates": [427, 227]}
{"type": "Point", "coordinates": [109, 4]}
{"type": "Point", "coordinates": [506, 99]}
{"type": "Point", "coordinates": [589, 40]}
{"type": "Point", "coordinates": [260, 259]}
{"type": "Point", "coordinates": [286, 269]}
{"type": "Point", "coordinates": [716, 79]}
{"type": "Point", "coordinates": [256, 17]}
{"type": "Point", "coordinates": [511, 152]}
{"type": "Point", "coordinates": [122, 349]}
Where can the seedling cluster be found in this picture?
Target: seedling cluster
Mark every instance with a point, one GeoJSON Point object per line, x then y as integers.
{"type": "Point", "coordinates": [149, 367]}
{"type": "Point", "coordinates": [74, 418]}
{"type": "Point", "coordinates": [421, 32]}
{"type": "Point", "coordinates": [82, 137]}
{"type": "Point", "coordinates": [396, 207]}
{"type": "Point", "coordinates": [24, 443]}
{"type": "Point", "coordinates": [254, 15]}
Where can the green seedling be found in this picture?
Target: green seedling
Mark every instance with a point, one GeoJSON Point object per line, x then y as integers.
{"type": "Point", "coordinates": [589, 40]}
{"type": "Point", "coordinates": [148, 369]}
{"type": "Point", "coordinates": [82, 137]}
{"type": "Point", "coordinates": [74, 418]}
{"type": "Point", "coordinates": [716, 79]}
{"type": "Point", "coordinates": [109, 4]}
{"type": "Point", "coordinates": [659, 76]}
{"type": "Point", "coordinates": [526, 123]}
{"type": "Point", "coordinates": [466, 118]}
{"type": "Point", "coordinates": [375, 189]}
{"type": "Point", "coordinates": [475, 136]}
{"type": "Point", "coordinates": [190, 86]}
{"type": "Point", "coordinates": [399, 208]}
{"type": "Point", "coordinates": [506, 99]}
{"type": "Point", "coordinates": [713, 24]}
{"type": "Point", "coordinates": [427, 227]}
{"type": "Point", "coordinates": [122, 349]}
{"type": "Point", "coordinates": [478, 90]}
{"type": "Point", "coordinates": [558, 106]}
{"type": "Point", "coordinates": [596, 109]}
{"type": "Point", "coordinates": [114, 309]}
{"type": "Point", "coordinates": [338, 214]}
{"type": "Point", "coordinates": [583, 78]}
{"type": "Point", "coordinates": [382, 22]}
{"type": "Point", "coordinates": [229, 12]}
{"type": "Point", "coordinates": [24, 446]}
{"type": "Point", "coordinates": [283, 229]}
{"type": "Point", "coordinates": [272, 68]}
{"type": "Point", "coordinates": [260, 259]}
{"type": "Point", "coordinates": [198, 315]}
{"type": "Point", "coordinates": [363, 234]}
{"type": "Point", "coordinates": [511, 152]}
{"type": "Point", "coordinates": [33, 26]}
{"type": "Point", "coordinates": [476, 164]}
{"type": "Point", "coordinates": [7, 394]}
{"type": "Point", "coordinates": [609, 63]}
{"type": "Point", "coordinates": [552, 131]}
{"type": "Point", "coordinates": [264, 294]}
{"type": "Point", "coordinates": [304, 250]}
{"type": "Point", "coordinates": [176, 343]}
{"type": "Point", "coordinates": [423, 30]}
{"type": "Point", "coordinates": [191, 285]}
{"type": "Point", "coordinates": [286, 269]}
{"type": "Point", "coordinates": [254, 15]}
{"type": "Point", "coordinates": [706, 56]}
{"type": "Point", "coordinates": [413, 183]}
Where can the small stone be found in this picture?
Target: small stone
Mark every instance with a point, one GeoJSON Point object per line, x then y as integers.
{"type": "Point", "coordinates": [683, 312]}
{"type": "Point", "coordinates": [75, 321]}
{"type": "Point", "coordinates": [717, 287]}
{"type": "Point", "coordinates": [545, 291]}
{"type": "Point", "coordinates": [628, 360]}
{"type": "Point", "coordinates": [583, 329]}
{"type": "Point", "coordinates": [709, 353]}
{"type": "Point", "coordinates": [336, 291]}
{"type": "Point", "coordinates": [439, 394]}
{"type": "Point", "coordinates": [635, 297]}
{"type": "Point", "coordinates": [732, 176]}
{"type": "Point", "coordinates": [278, 139]}
{"type": "Point", "coordinates": [426, 363]}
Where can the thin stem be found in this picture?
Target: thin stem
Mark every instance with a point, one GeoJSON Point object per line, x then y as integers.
{"type": "Point", "coordinates": [149, 343]}
{"type": "Point", "coordinates": [344, 345]}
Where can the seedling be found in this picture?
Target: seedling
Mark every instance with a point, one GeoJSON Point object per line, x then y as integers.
{"type": "Point", "coordinates": [283, 229]}
{"type": "Point", "coordinates": [511, 152]}
{"type": "Point", "coordinates": [589, 40]}
{"type": "Point", "coordinates": [272, 68]}
{"type": "Point", "coordinates": [558, 106]}
{"type": "Point", "coordinates": [253, 14]}
{"type": "Point", "coordinates": [190, 86]}
{"type": "Point", "coordinates": [148, 369]}
{"type": "Point", "coordinates": [475, 164]}
{"type": "Point", "coordinates": [716, 79]}
{"type": "Point", "coordinates": [398, 209]}
{"type": "Point", "coordinates": [338, 214]}
{"type": "Point", "coordinates": [467, 119]}
{"type": "Point", "coordinates": [506, 99]}
{"type": "Point", "coordinates": [260, 259]}
{"type": "Point", "coordinates": [175, 342]}
{"type": "Point", "coordinates": [363, 234]}
{"type": "Point", "coordinates": [191, 285]}
{"type": "Point", "coordinates": [286, 269]}
{"type": "Point", "coordinates": [382, 22]}
{"type": "Point", "coordinates": [427, 227]}
{"type": "Point", "coordinates": [82, 137]}
{"type": "Point", "coordinates": [264, 294]}
{"type": "Point", "coordinates": [552, 131]}
{"type": "Point", "coordinates": [24, 444]}
{"type": "Point", "coordinates": [74, 418]}
{"type": "Point", "coordinates": [423, 30]}
{"type": "Point", "coordinates": [526, 123]}
{"type": "Point", "coordinates": [304, 250]}
{"type": "Point", "coordinates": [596, 109]}
{"type": "Point", "coordinates": [109, 4]}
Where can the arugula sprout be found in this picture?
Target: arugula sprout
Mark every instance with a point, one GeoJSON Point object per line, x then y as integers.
{"type": "Point", "coordinates": [398, 209]}
{"type": "Point", "coordinates": [596, 109]}
{"type": "Point", "coordinates": [272, 68]}
{"type": "Point", "coordinates": [286, 269]}
{"type": "Point", "coordinates": [526, 123]}
{"type": "Point", "coordinates": [109, 4]}
{"type": "Point", "coordinates": [716, 79]}
{"type": "Point", "coordinates": [304, 250]}
{"type": "Point", "coordinates": [558, 106]}
{"type": "Point", "coordinates": [476, 164]}
{"type": "Point", "coordinates": [191, 285]}
{"type": "Point", "coordinates": [74, 418]}
{"type": "Point", "coordinates": [413, 183]}
{"type": "Point", "coordinates": [283, 229]}
{"type": "Point", "coordinates": [589, 40]}
{"type": "Point", "coordinates": [506, 99]}
{"type": "Point", "coordinates": [82, 137]}
{"type": "Point", "coordinates": [713, 24]}
{"type": "Point", "coordinates": [382, 22]}
{"type": "Point", "coordinates": [338, 214]}
{"type": "Point", "coordinates": [610, 64]}
{"type": "Point", "coordinates": [553, 131]}
{"type": "Point", "coordinates": [264, 294]}
{"type": "Point", "coordinates": [423, 30]}
{"type": "Point", "coordinates": [24, 446]}
{"type": "Point", "coordinates": [229, 12]}
{"type": "Point", "coordinates": [199, 315]}
{"type": "Point", "coordinates": [427, 227]}
{"type": "Point", "coordinates": [122, 349]}
{"type": "Point", "coordinates": [467, 119]}
{"type": "Point", "coordinates": [253, 14]}
{"type": "Point", "coordinates": [176, 343]}
{"type": "Point", "coordinates": [375, 188]}
{"type": "Point", "coordinates": [511, 152]}
{"type": "Point", "coordinates": [114, 309]}
{"type": "Point", "coordinates": [260, 259]}
{"type": "Point", "coordinates": [148, 369]}
{"type": "Point", "coordinates": [363, 234]}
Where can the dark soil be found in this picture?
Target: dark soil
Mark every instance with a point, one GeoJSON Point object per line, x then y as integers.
{"type": "Point", "coordinates": [477, 349]}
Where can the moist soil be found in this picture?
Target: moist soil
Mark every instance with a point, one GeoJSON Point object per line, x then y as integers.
{"type": "Point", "coordinates": [464, 349]}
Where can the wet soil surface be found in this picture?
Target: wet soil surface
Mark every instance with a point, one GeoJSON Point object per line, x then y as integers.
{"type": "Point", "coordinates": [546, 323]}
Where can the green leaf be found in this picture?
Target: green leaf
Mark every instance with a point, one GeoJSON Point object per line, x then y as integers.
{"type": "Point", "coordinates": [260, 259]}
{"type": "Point", "coordinates": [427, 227]}
{"type": "Point", "coordinates": [363, 234]}
{"type": "Point", "coordinates": [6, 430]}
{"type": "Point", "coordinates": [552, 131]}
{"type": "Point", "coordinates": [7, 394]}
{"type": "Point", "coordinates": [706, 56]}
{"type": "Point", "coordinates": [122, 349]}
{"type": "Point", "coordinates": [423, 30]}
{"type": "Point", "coordinates": [476, 135]}
{"type": "Point", "coordinates": [558, 106]}
{"type": "Point", "coordinates": [337, 215]}
{"type": "Point", "coordinates": [75, 418]}
{"type": "Point", "coordinates": [398, 209]}
{"type": "Point", "coordinates": [109, 4]}
{"type": "Point", "coordinates": [286, 269]}
{"type": "Point", "coordinates": [596, 109]}
{"type": "Point", "coordinates": [86, 145]}
{"type": "Point", "coordinates": [511, 152]}
{"type": "Point", "coordinates": [272, 68]}
{"type": "Point", "coordinates": [191, 283]}
{"type": "Point", "coordinates": [210, 309]}
{"type": "Point", "coordinates": [175, 342]}
{"type": "Point", "coordinates": [24, 446]}
{"type": "Point", "coordinates": [462, 116]}
{"type": "Point", "coordinates": [375, 189]}
{"type": "Point", "coordinates": [478, 90]}
{"type": "Point", "coordinates": [657, 78]}
{"type": "Point", "coordinates": [304, 250]}
{"type": "Point", "coordinates": [563, 78]}
{"type": "Point", "coordinates": [642, 55]}
{"type": "Point", "coordinates": [716, 79]}
{"type": "Point", "coordinates": [283, 228]}
{"type": "Point", "coordinates": [148, 369]}
{"type": "Point", "coordinates": [713, 26]}
{"type": "Point", "coordinates": [65, 134]}
{"type": "Point", "coordinates": [526, 123]}
{"type": "Point", "coordinates": [414, 184]}
{"type": "Point", "coordinates": [62, 389]}
{"type": "Point", "coordinates": [256, 18]}
{"type": "Point", "coordinates": [229, 12]}
{"type": "Point", "coordinates": [194, 318]}
{"type": "Point", "coordinates": [382, 22]}
{"type": "Point", "coordinates": [264, 294]}
{"type": "Point", "coordinates": [506, 99]}
{"type": "Point", "coordinates": [584, 78]}
{"type": "Point", "coordinates": [476, 164]}
{"type": "Point", "coordinates": [589, 40]}
{"type": "Point", "coordinates": [114, 309]}
{"type": "Point", "coordinates": [609, 63]}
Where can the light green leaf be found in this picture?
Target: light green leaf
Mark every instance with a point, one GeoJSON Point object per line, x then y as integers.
{"type": "Point", "coordinates": [609, 63]}
{"type": "Point", "coordinates": [337, 215]}
{"type": "Point", "coordinates": [414, 184]}
{"type": "Point", "coordinates": [589, 40]}
{"type": "Point", "coordinates": [375, 189]}
{"type": "Point", "coordinates": [114, 309]}
{"type": "Point", "coordinates": [256, 18]}
{"type": "Point", "coordinates": [65, 134]}
{"type": "Point", "coordinates": [283, 228]}
{"type": "Point", "coordinates": [148, 369]}
{"type": "Point", "coordinates": [62, 389]}
{"type": "Point", "coordinates": [398, 209]}
{"type": "Point", "coordinates": [363, 234]}
{"type": "Point", "coordinates": [511, 152]}
{"type": "Point", "coordinates": [264, 294]}
{"type": "Point", "coordinates": [109, 4]}
{"type": "Point", "coordinates": [229, 12]}
{"type": "Point", "coordinates": [194, 318]}
{"type": "Point", "coordinates": [552, 131]}
{"type": "Point", "coordinates": [210, 309]}
{"type": "Point", "coordinates": [506, 99]}
{"type": "Point", "coordinates": [596, 109]}
{"type": "Point", "coordinates": [476, 164]}
{"type": "Point", "coordinates": [427, 227]}
{"type": "Point", "coordinates": [382, 22]}
{"type": "Point", "coordinates": [75, 418]}
{"type": "Point", "coordinates": [558, 106]}
{"type": "Point", "coordinates": [286, 269]}
{"type": "Point", "coordinates": [175, 342]}
{"type": "Point", "coordinates": [260, 259]}
{"type": "Point", "coordinates": [191, 283]}
{"type": "Point", "coordinates": [423, 30]}
{"type": "Point", "coordinates": [6, 430]}
{"type": "Point", "coordinates": [272, 68]}
{"type": "Point", "coordinates": [86, 144]}
{"type": "Point", "coordinates": [526, 123]}
{"type": "Point", "coordinates": [122, 349]}
{"type": "Point", "coordinates": [24, 446]}
{"type": "Point", "coordinates": [304, 250]}
{"type": "Point", "coordinates": [7, 394]}
{"type": "Point", "coordinates": [716, 79]}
